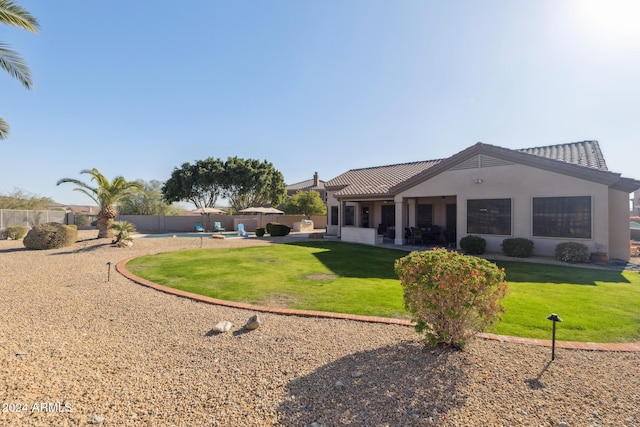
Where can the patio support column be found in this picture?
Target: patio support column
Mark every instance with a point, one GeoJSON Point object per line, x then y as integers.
{"type": "Point", "coordinates": [400, 215]}
{"type": "Point", "coordinates": [411, 210]}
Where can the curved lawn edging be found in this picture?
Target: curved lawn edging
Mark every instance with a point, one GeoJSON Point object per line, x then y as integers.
{"type": "Point", "coordinates": [571, 345]}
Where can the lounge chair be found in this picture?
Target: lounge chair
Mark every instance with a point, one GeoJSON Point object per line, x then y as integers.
{"type": "Point", "coordinates": [217, 226]}
{"type": "Point", "coordinates": [198, 227]}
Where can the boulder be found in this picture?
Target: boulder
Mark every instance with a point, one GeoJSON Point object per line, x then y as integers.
{"type": "Point", "coordinates": [224, 326]}
{"type": "Point", "coordinates": [254, 322]}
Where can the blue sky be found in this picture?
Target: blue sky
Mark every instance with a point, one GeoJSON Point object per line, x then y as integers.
{"type": "Point", "coordinates": [137, 88]}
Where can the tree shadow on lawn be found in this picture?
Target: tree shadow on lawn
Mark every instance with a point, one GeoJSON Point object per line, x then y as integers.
{"type": "Point", "coordinates": [404, 384]}
{"type": "Point", "coordinates": [522, 271]}
{"type": "Point", "coordinates": [355, 260]}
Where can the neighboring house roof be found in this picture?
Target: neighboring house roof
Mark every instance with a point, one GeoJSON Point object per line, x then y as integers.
{"type": "Point", "coordinates": [579, 159]}
{"type": "Point", "coordinates": [314, 183]}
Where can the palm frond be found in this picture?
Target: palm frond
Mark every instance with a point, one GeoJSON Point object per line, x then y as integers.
{"type": "Point", "coordinates": [15, 15]}
{"type": "Point", "coordinates": [4, 129]}
{"type": "Point", "coordinates": [13, 63]}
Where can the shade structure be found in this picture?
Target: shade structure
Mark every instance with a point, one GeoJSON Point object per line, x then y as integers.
{"type": "Point", "coordinates": [262, 210]}
{"type": "Point", "coordinates": [204, 211]}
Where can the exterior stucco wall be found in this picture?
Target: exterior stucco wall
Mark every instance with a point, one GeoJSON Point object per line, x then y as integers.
{"type": "Point", "coordinates": [520, 184]}
{"type": "Point", "coordinates": [619, 234]}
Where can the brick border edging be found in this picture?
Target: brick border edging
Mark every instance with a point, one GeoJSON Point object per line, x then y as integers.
{"type": "Point", "coordinates": [571, 345]}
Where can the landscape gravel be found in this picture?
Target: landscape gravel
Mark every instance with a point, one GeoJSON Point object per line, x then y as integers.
{"type": "Point", "coordinates": [82, 345]}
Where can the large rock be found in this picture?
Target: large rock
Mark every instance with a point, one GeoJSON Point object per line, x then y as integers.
{"type": "Point", "coordinates": [254, 322]}
{"type": "Point", "coordinates": [224, 326]}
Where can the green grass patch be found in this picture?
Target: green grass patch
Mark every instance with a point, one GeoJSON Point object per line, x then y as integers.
{"type": "Point", "coordinates": [325, 276]}
{"type": "Point", "coordinates": [596, 305]}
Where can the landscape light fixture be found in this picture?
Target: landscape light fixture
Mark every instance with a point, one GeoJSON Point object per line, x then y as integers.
{"type": "Point", "coordinates": [554, 318]}
{"type": "Point", "coordinates": [108, 271]}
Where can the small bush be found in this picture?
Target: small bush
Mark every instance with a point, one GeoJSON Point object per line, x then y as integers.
{"type": "Point", "coordinates": [16, 232]}
{"type": "Point", "coordinates": [3, 234]}
{"type": "Point", "coordinates": [276, 229]}
{"type": "Point", "coordinates": [473, 245]}
{"type": "Point", "coordinates": [260, 232]}
{"type": "Point", "coordinates": [572, 252]}
{"type": "Point", "coordinates": [451, 296]}
{"type": "Point", "coordinates": [518, 247]}
{"type": "Point", "coordinates": [51, 235]}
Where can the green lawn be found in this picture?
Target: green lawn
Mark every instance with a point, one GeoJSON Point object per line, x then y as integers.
{"type": "Point", "coordinates": [596, 305]}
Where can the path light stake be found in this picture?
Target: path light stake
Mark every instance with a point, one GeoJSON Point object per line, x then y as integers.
{"type": "Point", "coordinates": [108, 271]}
{"type": "Point", "coordinates": [201, 241]}
{"type": "Point", "coordinates": [554, 318]}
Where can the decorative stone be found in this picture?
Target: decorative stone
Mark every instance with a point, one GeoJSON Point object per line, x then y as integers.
{"type": "Point", "coordinates": [356, 374]}
{"type": "Point", "coordinates": [96, 419]}
{"type": "Point", "coordinates": [254, 322]}
{"type": "Point", "coordinates": [224, 326]}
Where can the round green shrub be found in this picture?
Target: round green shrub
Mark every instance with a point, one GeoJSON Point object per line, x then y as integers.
{"type": "Point", "coordinates": [51, 235]}
{"type": "Point", "coordinates": [451, 296]}
{"type": "Point", "coordinates": [16, 232]}
{"type": "Point", "coordinates": [276, 229]}
{"type": "Point", "coordinates": [572, 252]}
{"type": "Point", "coordinates": [518, 247]}
{"type": "Point", "coordinates": [473, 245]}
{"type": "Point", "coordinates": [260, 232]}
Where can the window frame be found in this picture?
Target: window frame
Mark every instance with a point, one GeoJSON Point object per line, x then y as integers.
{"type": "Point", "coordinates": [485, 225]}
{"type": "Point", "coordinates": [567, 222]}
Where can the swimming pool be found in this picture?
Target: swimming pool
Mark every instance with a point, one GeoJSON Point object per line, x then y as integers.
{"type": "Point", "coordinates": [226, 235]}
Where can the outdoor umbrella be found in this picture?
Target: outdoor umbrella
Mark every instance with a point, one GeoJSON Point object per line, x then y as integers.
{"type": "Point", "coordinates": [262, 210]}
{"type": "Point", "coordinates": [204, 211]}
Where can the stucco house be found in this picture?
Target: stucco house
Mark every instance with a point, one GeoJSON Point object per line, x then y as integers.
{"type": "Point", "coordinates": [315, 184]}
{"type": "Point", "coordinates": [550, 194]}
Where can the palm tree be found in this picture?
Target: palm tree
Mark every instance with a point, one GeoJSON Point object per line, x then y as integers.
{"type": "Point", "coordinates": [106, 194]}
{"type": "Point", "coordinates": [14, 15]}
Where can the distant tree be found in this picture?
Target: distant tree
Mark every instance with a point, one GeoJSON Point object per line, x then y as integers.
{"type": "Point", "coordinates": [305, 203]}
{"type": "Point", "coordinates": [149, 201]}
{"type": "Point", "coordinates": [199, 183]}
{"type": "Point", "coordinates": [250, 182]}
{"type": "Point", "coordinates": [11, 61]}
{"type": "Point", "coordinates": [19, 199]}
{"type": "Point", "coordinates": [107, 194]}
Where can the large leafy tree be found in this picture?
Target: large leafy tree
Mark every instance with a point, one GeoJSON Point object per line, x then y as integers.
{"type": "Point", "coordinates": [11, 61]}
{"type": "Point", "coordinates": [107, 194]}
{"type": "Point", "coordinates": [306, 203]}
{"type": "Point", "coordinates": [251, 182]}
{"type": "Point", "coordinates": [149, 201]}
{"type": "Point", "coordinates": [199, 183]}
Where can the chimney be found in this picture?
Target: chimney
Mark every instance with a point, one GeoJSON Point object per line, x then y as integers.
{"type": "Point", "coordinates": [316, 179]}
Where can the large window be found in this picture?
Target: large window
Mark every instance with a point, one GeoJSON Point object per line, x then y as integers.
{"type": "Point", "coordinates": [349, 215]}
{"type": "Point", "coordinates": [562, 217]}
{"type": "Point", "coordinates": [334, 215]}
{"type": "Point", "coordinates": [424, 216]}
{"type": "Point", "coordinates": [489, 216]}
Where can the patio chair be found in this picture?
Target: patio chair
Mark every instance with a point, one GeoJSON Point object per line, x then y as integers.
{"type": "Point", "coordinates": [217, 226]}
{"type": "Point", "coordinates": [241, 231]}
{"type": "Point", "coordinates": [198, 227]}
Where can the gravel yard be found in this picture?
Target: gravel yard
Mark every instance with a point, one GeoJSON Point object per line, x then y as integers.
{"type": "Point", "coordinates": [76, 350]}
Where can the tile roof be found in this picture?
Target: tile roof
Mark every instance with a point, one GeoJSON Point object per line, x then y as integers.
{"type": "Point", "coordinates": [381, 180]}
{"type": "Point", "coordinates": [377, 180]}
{"type": "Point", "coordinates": [307, 185]}
{"type": "Point", "coordinates": [583, 153]}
